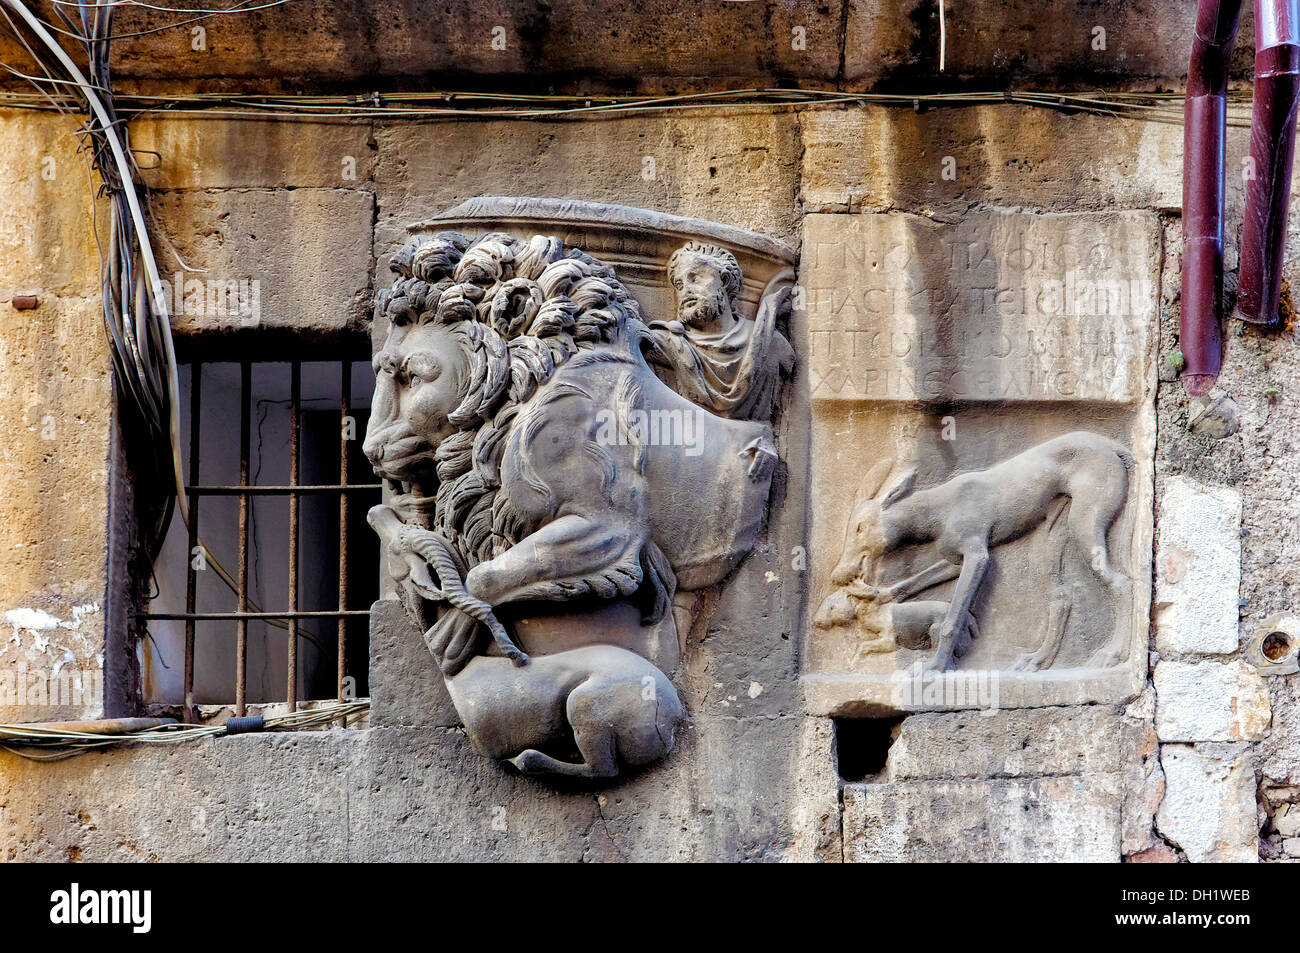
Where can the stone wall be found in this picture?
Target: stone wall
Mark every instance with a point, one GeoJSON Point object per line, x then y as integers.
{"type": "Point", "coordinates": [1193, 757]}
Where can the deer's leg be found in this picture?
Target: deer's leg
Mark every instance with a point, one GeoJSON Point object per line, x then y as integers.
{"type": "Point", "coordinates": [975, 561]}
{"type": "Point", "coordinates": [532, 761]}
{"type": "Point", "coordinates": [1057, 616]}
{"type": "Point", "coordinates": [594, 737]}
{"type": "Point", "coordinates": [1090, 522]}
{"type": "Point", "coordinates": [941, 571]}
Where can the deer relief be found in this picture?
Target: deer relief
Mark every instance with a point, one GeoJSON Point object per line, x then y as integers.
{"type": "Point", "coordinates": [1076, 484]}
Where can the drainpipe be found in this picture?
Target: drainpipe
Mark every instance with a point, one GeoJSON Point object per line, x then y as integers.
{"type": "Point", "coordinates": [1272, 148]}
{"type": "Point", "coordinates": [1205, 115]}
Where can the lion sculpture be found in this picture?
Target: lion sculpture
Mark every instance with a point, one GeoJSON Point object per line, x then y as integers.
{"type": "Point", "coordinates": [533, 456]}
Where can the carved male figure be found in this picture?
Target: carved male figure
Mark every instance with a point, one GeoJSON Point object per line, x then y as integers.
{"type": "Point", "coordinates": [709, 352]}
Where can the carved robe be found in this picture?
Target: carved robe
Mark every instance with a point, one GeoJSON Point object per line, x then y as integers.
{"type": "Point", "coordinates": [737, 374]}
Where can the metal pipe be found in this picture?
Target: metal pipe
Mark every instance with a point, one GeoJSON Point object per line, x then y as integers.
{"type": "Point", "coordinates": [103, 726]}
{"type": "Point", "coordinates": [1205, 114]}
{"type": "Point", "coordinates": [1272, 149]}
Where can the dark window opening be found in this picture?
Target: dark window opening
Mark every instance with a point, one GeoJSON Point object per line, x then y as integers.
{"type": "Point", "coordinates": [287, 567]}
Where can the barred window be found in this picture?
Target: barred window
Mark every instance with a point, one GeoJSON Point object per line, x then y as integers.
{"type": "Point", "coordinates": [265, 596]}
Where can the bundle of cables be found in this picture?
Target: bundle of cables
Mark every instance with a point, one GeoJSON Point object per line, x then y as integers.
{"type": "Point", "coordinates": [135, 308]}
{"type": "Point", "coordinates": [54, 741]}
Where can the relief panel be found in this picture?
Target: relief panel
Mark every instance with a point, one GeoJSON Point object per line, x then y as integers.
{"type": "Point", "coordinates": [982, 434]}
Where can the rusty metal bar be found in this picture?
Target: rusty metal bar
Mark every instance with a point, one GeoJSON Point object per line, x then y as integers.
{"type": "Point", "coordinates": [295, 398]}
{"type": "Point", "coordinates": [346, 428]}
{"type": "Point", "coordinates": [191, 574]}
{"type": "Point", "coordinates": [286, 489]}
{"type": "Point", "coordinates": [241, 625]}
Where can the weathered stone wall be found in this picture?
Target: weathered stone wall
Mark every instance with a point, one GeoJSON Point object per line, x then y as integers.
{"type": "Point", "coordinates": [1200, 762]}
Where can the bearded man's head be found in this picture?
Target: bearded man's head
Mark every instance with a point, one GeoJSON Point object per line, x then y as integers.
{"type": "Point", "coordinates": [707, 279]}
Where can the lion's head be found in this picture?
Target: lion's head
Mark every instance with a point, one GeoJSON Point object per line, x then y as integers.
{"type": "Point", "coordinates": [475, 327]}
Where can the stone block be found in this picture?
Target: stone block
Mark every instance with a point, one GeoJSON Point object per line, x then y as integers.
{"type": "Point", "coordinates": [1001, 306]}
{"type": "Point", "coordinates": [209, 153]}
{"type": "Point", "coordinates": [406, 687]}
{"type": "Point", "coordinates": [47, 241]}
{"type": "Point", "coordinates": [1054, 819]}
{"type": "Point", "coordinates": [1005, 744]}
{"type": "Point", "coordinates": [816, 822]}
{"type": "Point", "coordinates": [1142, 784]}
{"type": "Point", "coordinates": [297, 258]}
{"type": "Point", "coordinates": [564, 44]}
{"type": "Point", "coordinates": [1000, 365]}
{"type": "Point", "coordinates": [738, 169]}
{"type": "Point", "coordinates": [878, 158]}
{"type": "Point", "coordinates": [1210, 701]}
{"type": "Point", "coordinates": [1209, 804]}
{"type": "Point", "coordinates": [1198, 568]}
{"type": "Point", "coordinates": [54, 402]}
{"type": "Point", "coordinates": [991, 43]}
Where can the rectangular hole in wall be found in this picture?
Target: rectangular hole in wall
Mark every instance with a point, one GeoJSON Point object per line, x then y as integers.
{"type": "Point", "coordinates": [862, 746]}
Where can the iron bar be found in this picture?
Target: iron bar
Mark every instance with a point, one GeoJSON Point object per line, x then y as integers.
{"type": "Point", "coordinates": [346, 432]}
{"type": "Point", "coordinates": [241, 625]}
{"type": "Point", "coordinates": [252, 616]}
{"type": "Point", "coordinates": [287, 489]}
{"type": "Point", "coordinates": [191, 574]}
{"type": "Point", "coordinates": [295, 396]}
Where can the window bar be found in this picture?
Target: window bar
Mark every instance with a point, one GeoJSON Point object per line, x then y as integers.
{"type": "Point", "coordinates": [295, 399]}
{"type": "Point", "coordinates": [345, 424]}
{"type": "Point", "coordinates": [241, 625]}
{"type": "Point", "coordinates": [191, 574]}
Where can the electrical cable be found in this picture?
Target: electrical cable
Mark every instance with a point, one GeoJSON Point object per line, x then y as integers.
{"type": "Point", "coordinates": [38, 743]}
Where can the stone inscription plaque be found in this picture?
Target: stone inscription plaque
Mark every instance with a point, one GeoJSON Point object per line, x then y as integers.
{"type": "Point", "coordinates": [1003, 306]}
{"type": "Point", "coordinates": [982, 430]}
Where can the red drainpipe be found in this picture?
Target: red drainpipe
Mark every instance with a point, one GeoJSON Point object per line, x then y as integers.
{"type": "Point", "coordinates": [1205, 115]}
{"type": "Point", "coordinates": [1272, 148]}
{"type": "Point", "coordinates": [1268, 191]}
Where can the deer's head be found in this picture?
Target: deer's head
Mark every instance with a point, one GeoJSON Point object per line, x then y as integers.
{"type": "Point", "coordinates": [865, 537]}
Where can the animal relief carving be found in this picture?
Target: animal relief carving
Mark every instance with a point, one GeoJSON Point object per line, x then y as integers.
{"type": "Point", "coordinates": [1074, 486]}
{"type": "Point", "coordinates": [534, 458]}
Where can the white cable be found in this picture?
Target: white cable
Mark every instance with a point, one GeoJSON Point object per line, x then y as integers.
{"type": "Point", "coordinates": [943, 37]}
{"type": "Point", "coordinates": [142, 235]}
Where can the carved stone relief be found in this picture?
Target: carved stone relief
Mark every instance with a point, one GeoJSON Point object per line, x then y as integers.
{"type": "Point", "coordinates": [983, 431]}
{"type": "Point", "coordinates": [572, 456]}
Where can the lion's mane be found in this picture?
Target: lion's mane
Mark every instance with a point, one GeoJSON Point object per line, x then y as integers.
{"type": "Point", "coordinates": [522, 308]}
